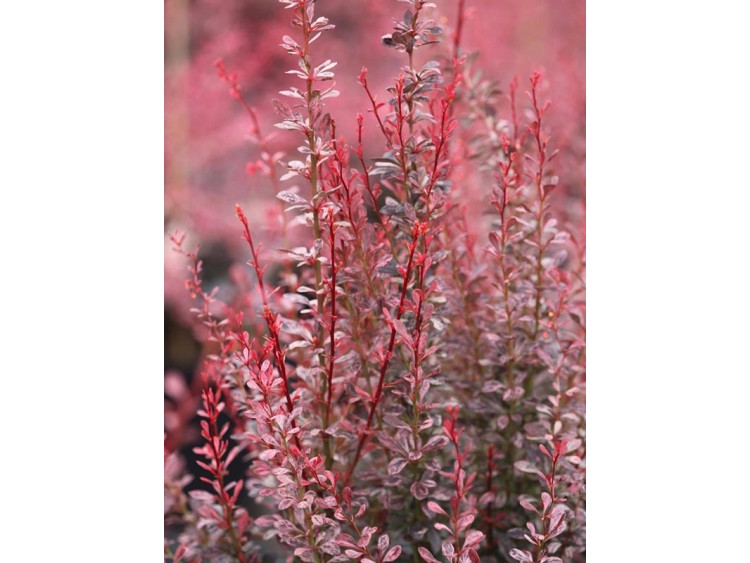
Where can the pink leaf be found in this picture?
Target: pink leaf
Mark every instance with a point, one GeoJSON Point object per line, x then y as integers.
{"type": "Point", "coordinates": [427, 556]}
{"type": "Point", "coordinates": [528, 506]}
{"type": "Point", "coordinates": [435, 507]}
{"type": "Point", "coordinates": [396, 465]}
{"type": "Point", "coordinates": [465, 521]}
{"type": "Point", "coordinates": [442, 527]}
{"type": "Point", "coordinates": [523, 556]}
{"type": "Point", "coordinates": [525, 466]}
{"type": "Point", "coordinates": [393, 553]}
{"type": "Point", "coordinates": [473, 539]}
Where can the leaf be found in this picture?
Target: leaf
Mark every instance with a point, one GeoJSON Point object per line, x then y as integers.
{"type": "Point", "coordinates": [393, 553]}
{"type": "Point", "coordinates": [523, 556]}
{"type": "Point", "coordinates": [435, 507]}
{"type": "Point", "coordinates": [386, 163]}
{"type": "Point", "coordinates": [290, 197]}
{"type": "Point", "coordinates": [419, 490]}
{"type": "Point", "coordinates": [181, 549]}
{"type": "Point", "coordinates": [427, 556]}
{"type": "Point", "coordinates": [396, 465]}
{"type": "Point", "coordinates": [448, 550]}
{"type": "Point", "coordinates": [528, 506]}
{"type": "Point", "coordinates": [297, 329]}
{"type": "Point", "coordinates": [286, 503]}
{"type": "Point", "coordinates": [492, 387]}
{"type": "Point", "coordinates": [269, 454]}
{"type": "Point", "coordinates": [298, 344]}
{"type": "Point", "coordinates": [573, 445]}
{"type": "Point", "coordinates": [330, 548]}
{"type": "Point", "coordinates": [557, 525]}
{"type": "Point", "coordinates": [525, 466]}
{"type": "Point", "coordinates": [204, 496]}
{"type": "Point", "coordinates": [516, 533]}
{"type": "Point", "coordinates": [434, 443]}
{"type": "Point", "coordinates": [473, 538]}
{"type": "Point", "coordinates": [486, 498]}
{"type": "Point", "coordinates": [465, 521]}
{"type": "Point", "coordinates": [399, 327]}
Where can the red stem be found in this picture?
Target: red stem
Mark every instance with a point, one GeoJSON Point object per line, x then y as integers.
{"type": "Point", "coordinates": [210, 402]}
{"type": "Point", "coordinates": [366, 175]}
{"type": "Point", "coordinates": [363, 81]}
{"type": "Point", "coordinates": [490, 523]}
{"type": "Point", "coordinates": [333, 322]}
{"type": "Point", "coordinates": [459, 28]}
{"type": "Point", "coordinates": [387, 359]}
{"type": "Point", "coordinates": [539, 177]}
{"type": "Point", "coordinates": [269, 318]}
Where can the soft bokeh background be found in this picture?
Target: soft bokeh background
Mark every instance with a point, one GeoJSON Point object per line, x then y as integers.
{"type": "Point", "coordinates": [207, 144]}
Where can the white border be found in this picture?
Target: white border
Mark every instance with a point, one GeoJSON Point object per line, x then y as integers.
{"type": "Point", "coordinates": [668, 118]}
{"type": "Point", "coordinates": [81, 228]}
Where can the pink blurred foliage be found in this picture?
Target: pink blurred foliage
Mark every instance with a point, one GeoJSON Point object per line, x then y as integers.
{"type": "Point", "coordinates": [207, 141]}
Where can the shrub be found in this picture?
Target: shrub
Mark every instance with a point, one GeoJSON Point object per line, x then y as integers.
{"type": "Point", "coordinates": [406, 380]}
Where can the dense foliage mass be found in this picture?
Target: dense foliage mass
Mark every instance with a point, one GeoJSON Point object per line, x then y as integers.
{"type": "Point", "coordinates": [405, 380]}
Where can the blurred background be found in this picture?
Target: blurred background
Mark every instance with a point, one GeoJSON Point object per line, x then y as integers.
{"type": "Point", "coordinates": [207, 133]}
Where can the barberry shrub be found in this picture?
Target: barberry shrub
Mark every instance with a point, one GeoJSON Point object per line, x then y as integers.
{"type": "Point", "coordinates": [407, 381]}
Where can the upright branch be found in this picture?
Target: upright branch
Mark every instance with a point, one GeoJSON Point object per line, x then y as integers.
{"type": "Point", "coordinates": [218, 456]}
{"type": "Point", "coordinates": [313, 125]}
{"type": "Point", "coordinates": [406, 274]}
{"type": "Point", "coordinates": [460, 20]}
{"type": "Point", "coordinates": [332, 321]}
{"type": "Point", "coordinates": [551, 512]}
{"type": "Point", "coordinates": [543, 186]}
{"type": "Point", "coordinates": [462, 542]}
{"type": "Point", "coordinates": [215, 327]}
{"type": "Point", "coordinates": [272, 322]}
{"type": "Point", "coordinates": [503, 201]}
{"type": "Point", "coordinates": [268, 161]}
